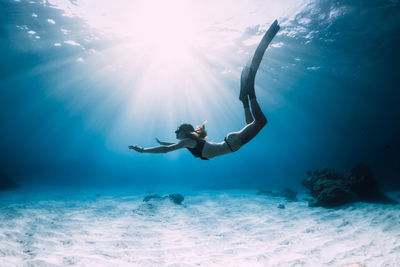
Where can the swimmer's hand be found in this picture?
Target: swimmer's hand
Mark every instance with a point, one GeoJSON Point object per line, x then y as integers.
{"type": "Point", "coordinates": [137, 148]}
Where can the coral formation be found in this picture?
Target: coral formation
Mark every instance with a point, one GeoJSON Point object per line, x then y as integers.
{"type": "Point", "coordinates": [332, 189]}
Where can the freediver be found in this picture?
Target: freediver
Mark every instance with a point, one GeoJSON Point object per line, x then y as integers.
{"type": "Point", "coordinates": [194, 139]}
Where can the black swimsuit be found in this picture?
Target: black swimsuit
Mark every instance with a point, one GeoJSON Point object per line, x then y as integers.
{"type": "Point", "coordinates": [197, 151]}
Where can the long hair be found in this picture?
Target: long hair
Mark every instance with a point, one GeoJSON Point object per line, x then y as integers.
{"type": "Point", "coordinates": [199, 133]}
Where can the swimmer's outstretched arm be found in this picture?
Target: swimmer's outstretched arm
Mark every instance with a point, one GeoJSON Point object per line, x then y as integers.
{"type": "Point", "coordinates": [164, 149]}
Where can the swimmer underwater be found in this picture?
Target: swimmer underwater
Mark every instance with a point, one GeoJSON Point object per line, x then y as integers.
{"type": "Point", "coordinates": [194, 139]}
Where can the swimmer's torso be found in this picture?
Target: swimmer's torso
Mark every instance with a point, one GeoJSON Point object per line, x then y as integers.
{"type": "Point", "coordinates": [211, 149]}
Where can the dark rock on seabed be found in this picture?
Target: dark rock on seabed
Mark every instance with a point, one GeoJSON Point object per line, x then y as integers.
{"type": "Point", "coordinates": [331, 189]}
{"type": "Point", "coordinates": [175, 198]}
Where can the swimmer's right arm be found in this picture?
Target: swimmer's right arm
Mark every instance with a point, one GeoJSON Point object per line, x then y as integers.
{"type": "Point", "coordinates": [163, 143]}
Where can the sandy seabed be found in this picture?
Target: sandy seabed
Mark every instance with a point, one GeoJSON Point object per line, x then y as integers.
{"type": "Point", "coordinates": [211, 228]}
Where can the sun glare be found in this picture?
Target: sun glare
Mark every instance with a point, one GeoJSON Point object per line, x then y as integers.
{"type": "Point", "coordinates": [165, 36]}
{"type": "Point", "coordinates": [164, 28]}
{"type": "Point", "coordinates": [178, 58]}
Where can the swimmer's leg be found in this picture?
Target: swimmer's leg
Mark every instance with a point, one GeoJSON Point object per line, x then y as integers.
{"type": "Point", "coordinates": [247, 78]}
{"type": "Point", "coordinates": [252, 129]}
{"type": "Point", "coordinates": [257, 112]}
{"type": "Point", "coordinates": [243, 84]}
{"type": "Point", "coordinates": [248, 116]}
{"type": "Point", "coordinates": [258, 55]}
{"type": "Point", "coordinates": [244, 98]}
{"type": "Point", "coordinates": [238, 139]}
{"type": "Point", "coordinates": [249, 73]}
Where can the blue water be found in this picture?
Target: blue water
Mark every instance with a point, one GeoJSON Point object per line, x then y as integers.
{"type": "Point", "coordinates": [70, 107]}
{"type": "Point", "coordinates": [80, 81]}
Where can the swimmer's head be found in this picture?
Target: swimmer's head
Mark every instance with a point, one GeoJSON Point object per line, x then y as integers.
{"type": "Point", "coordinates": [186, 130]}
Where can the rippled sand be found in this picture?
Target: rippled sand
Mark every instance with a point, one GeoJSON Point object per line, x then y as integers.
{"type": "Point", "coordinates": [212, 228]}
